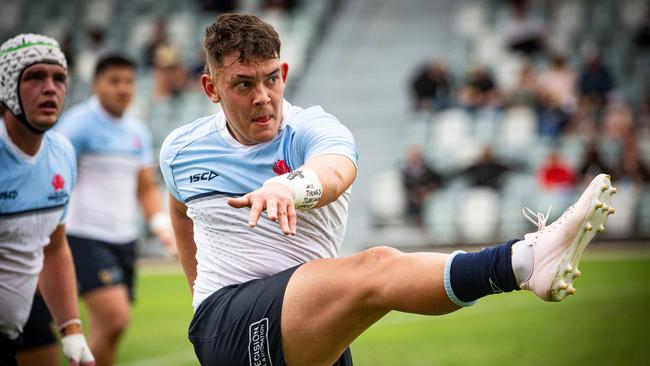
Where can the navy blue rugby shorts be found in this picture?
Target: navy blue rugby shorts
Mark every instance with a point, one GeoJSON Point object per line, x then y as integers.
{"type": "Point", "coordinates": [239, 325]}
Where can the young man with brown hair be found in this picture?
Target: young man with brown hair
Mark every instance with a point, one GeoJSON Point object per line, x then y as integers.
{"type": "Point", "coordinates": [37, 172]}
{"type": "Point", "coordinates": [274, 293]}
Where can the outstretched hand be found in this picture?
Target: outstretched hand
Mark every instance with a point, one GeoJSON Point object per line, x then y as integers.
{"type": "Point", "coordinates": [276, 199]}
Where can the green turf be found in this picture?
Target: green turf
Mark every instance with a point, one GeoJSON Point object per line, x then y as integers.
{"type": "Point", "coordinates": [608, 323]}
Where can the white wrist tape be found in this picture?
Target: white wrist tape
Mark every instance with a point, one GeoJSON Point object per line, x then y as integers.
{"type": "Point", "coordinates": [305, 185]}
{"type": "Point", "coordinates": [76, 348]}
{"type": "Point", "coordinates": [160, 222]}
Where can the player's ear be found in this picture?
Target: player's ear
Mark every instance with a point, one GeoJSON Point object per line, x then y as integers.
{"type": "Point", "coordinates": [209, 87]}
{"type": "Point", "coordinates": [284, 70]}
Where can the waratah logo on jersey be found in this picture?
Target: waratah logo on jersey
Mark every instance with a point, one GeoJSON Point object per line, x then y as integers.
{"type": "Point", "coordinates": [280, 167]}
{"type": "Point", "coordinates": [58, 183]}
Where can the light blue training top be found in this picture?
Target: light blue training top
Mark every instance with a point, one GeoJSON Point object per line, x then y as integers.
{"type": "Point", "coordinates": [34, 194]}
{"type": "Point", "coordinates": [203, 165]}
{"type": "Point", "coordinates": [111, 152]}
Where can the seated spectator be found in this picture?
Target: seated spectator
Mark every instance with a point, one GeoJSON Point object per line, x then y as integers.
{"type": "Point", "coordinates": [559, 81]}
{"type": "Point", "coordinates": [552, 118]}
{"type": "Point", "coordinates": [555, 173]}
{"type": "Point", "coordinates": [158, 39]}
{"type": "Point", "coordinates": [641, 36]}
{"type": "Point", "coordinates": [480, 90]}
{"type": "Point", "coordinates": [592, 164]}
{"type": "Point", "coordinates": [87, 58]}
{"type": "Point", "coordinates": [525, 90]}
{"type": "Point", "coordinates": [486, 171]}
{"type": "Point", "coordinates": [595, 80]}
{"type": "Point", "coordinates": [617, 122]}
{"type": "Point", "coordinates": [631, 168]}
{"type": "Point", "coordinates": [522, 32]}
{"type": "Point", "coordinates": [419, 180]}
{"type": "Point", "coordinates": [431, 88]}
{"type": "Point", "coordinates": [170, 75]}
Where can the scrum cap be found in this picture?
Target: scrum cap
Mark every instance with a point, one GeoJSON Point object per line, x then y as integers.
{"type": "Point", "coordinates": [16, 54]}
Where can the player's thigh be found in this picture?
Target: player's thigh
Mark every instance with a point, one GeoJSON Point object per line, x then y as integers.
{"type": "Point", "coordinates": [330, 302]}
{"type": "Point", "coordinates": [39, 344]}
{"type": "Point", "coordinates": [47, 355]}
{"type": "Point", "coordinates": [109, 307]}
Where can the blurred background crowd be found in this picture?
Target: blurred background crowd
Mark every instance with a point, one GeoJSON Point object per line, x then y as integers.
{"type": "Point", "coordinates": [464, 111]}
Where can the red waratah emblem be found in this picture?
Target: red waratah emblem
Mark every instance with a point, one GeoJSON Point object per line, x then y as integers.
{"type": "Point", "coordinates": [280, 167]}
{"type": "Point", "coordinates": [137, 143]}
{"type": "Point", "coordinates": [58, 183]}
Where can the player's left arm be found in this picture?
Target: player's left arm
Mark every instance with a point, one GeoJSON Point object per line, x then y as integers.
{"type": "Point", "coordinates": [320, 181]}
{"type": "Point", "coordinates": [58, 285]}
{"type": "Point", "coordinates": [150, 200]}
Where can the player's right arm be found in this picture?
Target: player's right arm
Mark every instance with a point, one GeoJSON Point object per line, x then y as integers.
{"type": "Point", "coordinates": [184, 233]}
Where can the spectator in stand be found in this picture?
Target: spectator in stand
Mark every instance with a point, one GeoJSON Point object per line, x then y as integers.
{"type": "Point", "coordinates": [559, 81]}
{"type": "Point", "coordinates": [158, 39]}
{"type": "Point", "coordinates": [525, 91]}
{"type": "Point", "coordinates": [85, 65]}
{"type": "Point", "coordinates": [480, 90]}
{"type": "Point", "coordinates": [522, 32]}
{"type": "Point", "coordinates": [595, 78]}
{"type": "Point", "coordinates": [170, 74]}
{"type": "Point", "coordinates": [487, 171]}
{"type": "Point", "coordinates": [631, 167]}
{"type": "Point", "coordinates": [617, 123]}
{"type": "Point", "coordinates": [592, 163]}
{"type": "Point", "coordinates": [431, 87]}
{"type": "Point", "coordinates": [552, 118]}
{"type": "Point", "coordinates": [641, 36]}
{"type": "Point", "coordinates": [643, 118]}
{"type": "Point", "coordinates": [419, 180]}
{"type": "Point", "coordinates": [555, 173]}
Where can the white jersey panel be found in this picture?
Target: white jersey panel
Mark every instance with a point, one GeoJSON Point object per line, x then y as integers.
{"type": "Point", "coordinates": [106, 193]}
{"type": "Point", "coordinates": [111, 152]}
{"type": "Point", "coordinates": [34, 193]}
{"type": "Point", "coordinates": [203, 165]}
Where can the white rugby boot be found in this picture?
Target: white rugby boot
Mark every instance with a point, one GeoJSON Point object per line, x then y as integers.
{"type": "Point", "coordinates": [557, 248]}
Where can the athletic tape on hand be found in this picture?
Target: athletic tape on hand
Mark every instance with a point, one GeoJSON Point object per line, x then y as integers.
{"type": "Point", "coordinates": [305, 185]}
{"type": "Point", "coordinates": [76, 348]}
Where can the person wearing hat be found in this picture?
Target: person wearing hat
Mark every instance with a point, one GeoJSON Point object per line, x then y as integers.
{"type": "Point", "coordinates": [37, 173]}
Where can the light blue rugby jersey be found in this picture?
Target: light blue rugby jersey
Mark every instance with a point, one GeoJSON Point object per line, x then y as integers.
{"type": "Point", "coordinates": [198, 159]}
{"type": "Point", "coordinates": [111, 152]}
{"type": "Point", "coordinates": [34, 194]}
{"type": "Point", "coordinates": [203, 165]}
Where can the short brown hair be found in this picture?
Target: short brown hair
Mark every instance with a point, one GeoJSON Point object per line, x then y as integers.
{"type": "Point", "coordinates": [243, 33]}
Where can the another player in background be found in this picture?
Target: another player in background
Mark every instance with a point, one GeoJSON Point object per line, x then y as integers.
{"type": "Point", "coordinates": [268, 288]}
{"type": "Point", "coordinates": [37, 173]}
{"type": "Point", "coordinates": [116, 174]}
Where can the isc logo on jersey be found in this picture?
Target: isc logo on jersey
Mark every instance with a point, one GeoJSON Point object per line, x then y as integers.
{"type": "Point", "coordinates": [209, 175]}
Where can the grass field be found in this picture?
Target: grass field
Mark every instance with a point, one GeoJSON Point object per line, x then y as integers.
{"type": "Point", "coordinates": [607, 323]}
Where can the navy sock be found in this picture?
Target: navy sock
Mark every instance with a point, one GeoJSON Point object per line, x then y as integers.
{"type": "Point", "coordinates": [474, 275]}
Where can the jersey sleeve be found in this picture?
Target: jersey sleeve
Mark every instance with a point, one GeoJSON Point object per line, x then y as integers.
{"type": "Point", "coordinates": [71, 126]}
{"type": "Point", "coordinates": [147, 146]}
{"type": "Point", "coordinates": [167, 155]}
{"type": "Point", "coordinates": [321, 133]}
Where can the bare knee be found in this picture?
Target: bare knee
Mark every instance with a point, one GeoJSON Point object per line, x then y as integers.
{"type": "Point", "coordinates": [375, 266]}
{"type": "Point", "coordinates": [111, 325]}
{"type": "Point", "coordinates": [379, 255]}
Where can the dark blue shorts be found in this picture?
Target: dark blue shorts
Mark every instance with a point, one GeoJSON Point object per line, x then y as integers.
{"type": "Point", "coordinates": [7, 351]}
{"type": "Point", "coordinates": [40, 328]}
{"type": "Point", "coordinates": [239, 325]}
{"type": "Point", "coordinates": [99, 264]}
